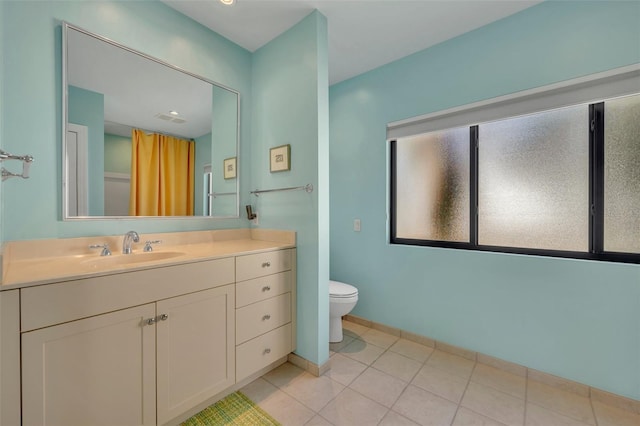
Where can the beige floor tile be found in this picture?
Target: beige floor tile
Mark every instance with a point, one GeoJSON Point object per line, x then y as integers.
{"type": "Point", "coordinates": [352, 329]}
{"type": "Point", "coordinates": [425, 408]}
{"type": "Point", "coordinates": [335, 347]}
{"type": "Point", "coordinates": [539, 416]}
{"type": "Point", "coordinates": [378, 386]}
{"type": "Point", "coordinates": [499, 379]}
{"type": "Point", "coordinates": [441, 383]}
{"type": "Point", "coordinates": [412, 350]}
{"type": "Point", "coordinates": [567, 403]}
{"type": "Point", "coordinates": [397, 365]}
{"type": "Point", "coordinates": [351, 408]}
{"type": "Point", "coordinates": [318, 420]}
{"type": "Point", "coordinates": [362, 351]}
{"type": "Point", "coordinates": [609, 416]}
{"type": "Point", "coordinates": [450, 363]}
{"type": "Point", "coordinates": [314, 392]}
{"type": "Point", "coordinates": [284, 374]}
{"type": "Point", "coordinates": [394, 419]}
{"type": "Point", "coordinates": [466, 417]}
{"type": "Point", "coordinates": [379, 338]}
{"type": "Point", "coordinates": [285, 409]}
{"type": "Point", "coordinates": [494, 404]}
{"type": "Point", "coordinates": [259, 390]}
{"type": "Point", "coordinates": [344, 369]}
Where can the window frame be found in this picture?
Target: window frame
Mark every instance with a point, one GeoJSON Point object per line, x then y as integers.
{"type": "Point", "coordinates": [595, 207]}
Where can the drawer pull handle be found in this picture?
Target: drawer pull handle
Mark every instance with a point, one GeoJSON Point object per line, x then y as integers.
{"type": "Point", "coordinates": [266, 288]}
{"type": "Point", "coordinates": [164, 317]}
{"type": "Point", "coordinates": [266, 264]}
{"type": "Point", "coordinates": [266, 351]}
{"type": "Point", "coordinates": [266, 317]}
{"type": "Point", "coordinates": [151, 321]}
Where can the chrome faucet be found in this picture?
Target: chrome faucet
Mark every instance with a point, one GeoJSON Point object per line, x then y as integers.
{"type": "Point", "coordinates": [129, 237]}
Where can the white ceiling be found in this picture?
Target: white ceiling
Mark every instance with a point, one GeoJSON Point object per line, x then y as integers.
{"type": "Point", "coordinates": [138, 92]}
{"type": "Point", "coordinates": [363, 34]}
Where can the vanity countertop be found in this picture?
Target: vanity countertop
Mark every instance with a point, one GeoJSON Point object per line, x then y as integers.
{"type": "Point", "coordinates": [37, 262]}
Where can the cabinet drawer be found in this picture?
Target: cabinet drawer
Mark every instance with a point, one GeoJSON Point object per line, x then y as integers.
{"type": "Point", "coordinates": [262, 351]}
{"type": "Point", "coordinates": [262, 288]}
{"type": "Point", "coordinates": [67, 301]}
{"type": "Point", "coordinates": [261, 264]}
{"type": "Point", "coordinates": [258, 318]}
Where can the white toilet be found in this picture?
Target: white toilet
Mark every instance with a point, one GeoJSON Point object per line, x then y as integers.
{"type": "Point", "coordinates": [342, 298]}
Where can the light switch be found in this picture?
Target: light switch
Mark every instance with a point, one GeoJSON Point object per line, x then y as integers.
{"type": "Point", "coordinates": [356, 225]}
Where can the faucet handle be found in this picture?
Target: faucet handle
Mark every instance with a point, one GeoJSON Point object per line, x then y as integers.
{"type": "Point", "coordinates": [147, 246]}
{"type": "Point", "coordinates": [105, 249]}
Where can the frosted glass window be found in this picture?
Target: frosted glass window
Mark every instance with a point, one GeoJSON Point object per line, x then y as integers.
{"type": "Point", "coordinates": [432, 186]}
{"type": "Point", "coordinates": [533, 181]}
{"type": "Point", "coordinates": [622, 174]}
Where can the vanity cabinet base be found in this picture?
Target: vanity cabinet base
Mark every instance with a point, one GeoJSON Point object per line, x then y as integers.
{"type": "Point", "coordinates": [95, 371]}
{"type": "Point", "coordinates": [195, 349]}
{"type": "Point", "coordinates": [145, 347]}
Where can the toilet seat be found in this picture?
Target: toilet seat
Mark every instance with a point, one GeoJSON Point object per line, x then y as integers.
{"type": "Point", "coordinates": [338, 290]}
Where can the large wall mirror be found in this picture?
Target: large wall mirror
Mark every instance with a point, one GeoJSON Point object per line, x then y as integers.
{"type": "Point", "coordinates": [142, 137]}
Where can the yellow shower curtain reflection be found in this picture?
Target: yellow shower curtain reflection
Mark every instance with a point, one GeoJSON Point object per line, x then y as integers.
{"type": "Point", "coordinates": [162, 175]}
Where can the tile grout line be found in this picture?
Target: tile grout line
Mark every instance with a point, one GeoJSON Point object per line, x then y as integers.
{"type": "Point", "coordinates": [593, 409]}
{"type": "Point", "coordinates": [464, 393]}
{"type": "Point", "coordinates": [526, 395]}
{"type": "Point", "coordinates": [371, 366]}
{"type": "Point", "coordinates": [388, 349]}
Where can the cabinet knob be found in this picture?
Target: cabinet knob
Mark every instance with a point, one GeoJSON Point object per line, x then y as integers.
{"type": "Point", "coordinates": [266, 351]}
{"type": "Point", "coordinates": [164, 317]}
{"type": "Point", "coordinates": [150, 321]}
{"type": "Point", "coordinates": [266, 264]}
{"type": "Point", "coordinates": [266, 288]}
{"type": "Point", "coordinates": [266, 317]}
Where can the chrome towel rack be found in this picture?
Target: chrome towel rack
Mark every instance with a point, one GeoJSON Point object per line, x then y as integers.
{"type": "Point", "coordinates": [217, 194]}
{"type": "Point", "coordinates": [26, 163]}
{"type": "Point", "coordinates": [308, 188]}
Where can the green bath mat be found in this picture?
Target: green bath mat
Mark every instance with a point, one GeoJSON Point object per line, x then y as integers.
{"type": "Point", "coordinates": [236, 409]}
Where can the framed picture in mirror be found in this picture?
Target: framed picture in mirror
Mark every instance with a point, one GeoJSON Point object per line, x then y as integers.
{"type": "Point", "coordinates": [229, 168]}
{"type": "Point", "coordinates": [280, 158]}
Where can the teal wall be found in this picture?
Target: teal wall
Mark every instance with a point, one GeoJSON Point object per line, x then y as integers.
{"type": "Point", "coordinates": [289, 75]}
{"type": "Point", "coordinates": [572, 318]}
{"type": "Point", "coordinates": [290, 106]}
{"type": "Point", "coordinates": [31, 77]}
{"type": "Point", "coordinates": [87, 109]}
{"type": "Point", "coordinates": [117, 154]}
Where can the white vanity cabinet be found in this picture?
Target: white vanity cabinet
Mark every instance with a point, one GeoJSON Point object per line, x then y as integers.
{"type": "Point", "coordinates": [93, 371]}
{"type": "Point", "coordinates": [142, 365]}
{"type": "Point", "coordinates": [144, 347]}
{"type": "Point", "coordinates": [195, 349]}
{"type": "Point", "coordinates": [265, 307]}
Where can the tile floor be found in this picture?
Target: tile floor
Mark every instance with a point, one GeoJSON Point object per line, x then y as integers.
{"type": "Point", "coordinates": [380, 379]}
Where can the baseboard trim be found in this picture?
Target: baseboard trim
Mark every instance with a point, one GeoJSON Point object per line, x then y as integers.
{"type": "Point", "coordinates": [596, 394]}
{"type": "Point", "coordinates": [305, 364]}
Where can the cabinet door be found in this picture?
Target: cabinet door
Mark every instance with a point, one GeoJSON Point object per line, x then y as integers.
{"type": "Point", "coordinates": [196, 349]}
{"type": "Point", "coordinates": [94, 371]}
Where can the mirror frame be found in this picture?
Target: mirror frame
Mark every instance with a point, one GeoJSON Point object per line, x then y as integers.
{"type": "Point", "coordinates": [65, 104]}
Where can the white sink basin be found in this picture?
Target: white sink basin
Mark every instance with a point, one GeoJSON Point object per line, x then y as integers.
{"type": "Point", "coordinates": [131, 259]}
